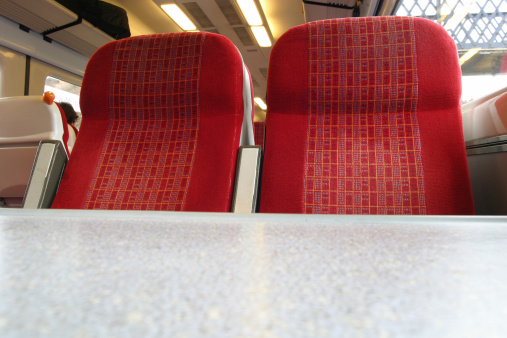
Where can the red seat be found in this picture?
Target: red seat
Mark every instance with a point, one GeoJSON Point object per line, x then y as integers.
{"type": "Point", "coordinates": [364, 118]}
{"type": "Point", "coordinates": [66, 133]}
{"type": "Point", "coordinates": [162, 120]}
{"type": "Point", "coordinates": [259, 133]}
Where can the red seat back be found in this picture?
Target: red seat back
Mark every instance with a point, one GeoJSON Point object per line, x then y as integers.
{"type": "Point", "coordinates": [364, 118]}
{"type": "Point", "coordinates": [259, 133]}
{"type": "Point", "coordinates": [162, 118]}
{"type": "Point", "coordinates": [65, 137]}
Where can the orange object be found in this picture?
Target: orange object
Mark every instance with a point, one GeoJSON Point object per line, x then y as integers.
{"type": "Point", "coordinates": [49, 97]}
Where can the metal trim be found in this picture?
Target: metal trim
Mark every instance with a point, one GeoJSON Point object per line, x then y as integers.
{"type": "Point", "coordinates": [487, 150]}
{"type": "Point", "coordinates": [255, 197]}
{"type": "Point", "coordinates": [47, 171]}
{"type": "Point", "coordinates": [486, 142]}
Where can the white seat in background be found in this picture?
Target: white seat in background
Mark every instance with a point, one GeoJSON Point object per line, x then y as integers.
{"type": "Point", "coordinates": [24, 122]}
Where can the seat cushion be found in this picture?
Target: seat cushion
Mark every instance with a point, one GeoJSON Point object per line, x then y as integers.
{"type": "Point", "coordinates": [362, 120]}
{"type": "Point", "coordinates": [161, 125]}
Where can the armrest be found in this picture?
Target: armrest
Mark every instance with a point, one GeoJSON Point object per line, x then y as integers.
{"type": "Point", "coordinates": [244, 200]}
{"type": "Point", "coordinates": [47, 172]}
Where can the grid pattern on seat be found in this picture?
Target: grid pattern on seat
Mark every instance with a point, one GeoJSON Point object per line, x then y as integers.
{"type": "Point", "coordinates": [363, 150]}
{"type": "Point", "coordinates": [259, 133]}
{"type": "Point", "coordinates": [147, 156]}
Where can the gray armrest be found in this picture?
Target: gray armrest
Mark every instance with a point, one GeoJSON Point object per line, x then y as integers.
{"type": "Point", "coordinates": [246, 188]}
{"type": "Point", "coordinates": [47, 172]}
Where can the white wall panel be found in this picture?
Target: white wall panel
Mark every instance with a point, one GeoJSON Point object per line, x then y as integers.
{"type": "Point", "coordinates": [12, 72]}
{"type": "Point", "coordinates": [33, 45]}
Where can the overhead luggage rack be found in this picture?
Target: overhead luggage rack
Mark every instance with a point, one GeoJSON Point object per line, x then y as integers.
{"type": "Point", "coordinates": [44, 16]}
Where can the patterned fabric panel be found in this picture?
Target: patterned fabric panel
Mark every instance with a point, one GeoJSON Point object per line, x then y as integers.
{"type": "Point", "coordinates": [363, 151]}
{"type": "Point", "coordinates": [259, 133]}
{"type": "Point", "coordinates": [147, 156]}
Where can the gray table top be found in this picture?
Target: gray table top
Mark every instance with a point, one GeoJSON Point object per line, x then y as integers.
{"type": "Point", "coordinates": [118, 274]}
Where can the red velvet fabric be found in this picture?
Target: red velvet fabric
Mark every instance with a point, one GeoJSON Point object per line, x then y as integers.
{"type": "Point", "coordinates": [161, 124]}
{"type": "Point", "coordinates": [251, 90]}
{"type": "Point", "coordinates": [221, 104]}
{"type": "Point", "coordinates": [286, 120]}
{"type": "Point", "coordinates": [446, 177]}
{"type": "Point", "coordinates": [65, 137]}
{"type": "Point", "coordinates": [360, 121]}
{"type": "Point", "coordinates": [94, 104]}
{"type": "Point", "coordinates": [259, 133]}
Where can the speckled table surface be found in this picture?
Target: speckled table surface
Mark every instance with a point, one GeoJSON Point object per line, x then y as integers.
{"type": "Point", "coordinates": [100, 274]}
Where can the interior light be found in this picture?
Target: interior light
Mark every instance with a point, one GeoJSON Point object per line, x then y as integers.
{"type": "Point", "coordinates": [468, 55]}
{"type": "Point", "coordinates": [250, 12]}
{"type": "Point", "coordinates": [179, 17]}
{"type": "Point", "coordinates": [261, 35]}
{"type": "Point", "coordinates": [260, 103]}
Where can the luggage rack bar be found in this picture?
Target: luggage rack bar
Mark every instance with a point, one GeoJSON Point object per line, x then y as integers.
{"type": "Point", "coordinates": [59, 28]}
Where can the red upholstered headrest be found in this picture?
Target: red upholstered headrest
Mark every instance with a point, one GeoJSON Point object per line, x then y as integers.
{"type": "Point", "coordinates": [364, 118]}
{"type": "Point", "coordinates": [162, 118]}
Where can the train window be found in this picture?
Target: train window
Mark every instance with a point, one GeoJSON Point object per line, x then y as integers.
{"type": "Point", "coordinates": [479, 29]}
{"type": "Point", "coordinates": [64, 91]}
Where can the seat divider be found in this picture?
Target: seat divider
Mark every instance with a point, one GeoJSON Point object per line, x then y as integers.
{"type": "Point", "coordinates": [246, 188]}
{"type": "Point", "coordinates": [47, 171]}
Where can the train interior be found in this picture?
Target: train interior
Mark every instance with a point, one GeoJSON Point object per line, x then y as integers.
{"type": "Point", "coordinates": [227, 251]}
{"type": "Point", "coordinates": [56, 60]}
